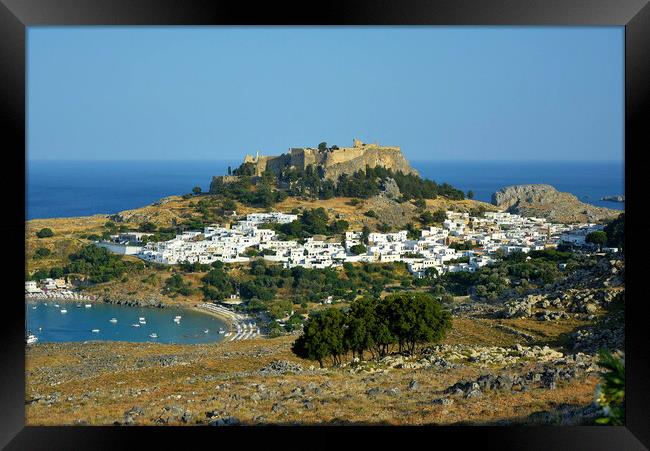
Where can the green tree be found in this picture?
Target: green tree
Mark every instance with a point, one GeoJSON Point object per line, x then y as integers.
{"type": "Point", "coordinates": [196, 190]}
{"type": "Point", "coordinates": [420, 204]}
{"type": "Point", "coordinates": [97, 263]}
{"type": "Point", "coordinates": [598, 238]}
{"type": "Point", "coordinates": [358, 249]}
{"type": "Point", "coordinates": [42, 252]}
{"type": "Point", "coordinates": [384, 227]}
{"type": "Point", "coordinates": [439, 216]}
{"type": "Point", "coordinates": [217, 284]}
{"type": "Point", "coordinates": [322, 146]}
{"type": "Point", "coordinates": [365, 232]}
{"type": "Point", "coordinates": [431, 273]}
{"type": "Point", "coordinates": [147, 227]}
{"type": "Point", "coordinates": [322, 337]}
{"type": "Point", "coordinates": [45, 233]}
{"type": "Point", "coordinates": [275, 329]}
{"type": "Point", "coordinates": [40, 275]}
{"type": "Point", "coordinates": [176, 284]}
{"type": "Point", "coordinates": [56, 272]}
{"type": "Point", "coordinates": [229, 205]}
{"type": "Point", "coordinates": [615, 231]}
{"type": "Point", "coordinates": [251, 252]}
{"type": "Point", "coordinates": [426, 218]}
{"type": "Point", "coordinates": [280, 308]}
{"type": "Point", "coordinates": [361, 327]}
{"type": "Point", "coordinates": [294, 323]}
{"type": "Point", "coordinates": [470, 194]}
{"type": "Point", "coordinates": [111, 226]}
{"type": "Point", "coordinates": [416, 318]}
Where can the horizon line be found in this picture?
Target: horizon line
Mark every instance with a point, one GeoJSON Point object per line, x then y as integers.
{"type": "Point", "coordinates": [100, 160]}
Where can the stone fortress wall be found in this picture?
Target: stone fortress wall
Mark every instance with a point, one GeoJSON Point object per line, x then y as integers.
{"type": "Point", "coordinates": [335, 161]}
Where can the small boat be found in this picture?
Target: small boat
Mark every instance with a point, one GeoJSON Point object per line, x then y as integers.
{"type": "Point", "coordinates": [143, 322]}
{"type": "Point", "coordinates": [95, 331]}
{"type": "Point", "coordinates": [178, 317]}
{"type": "Point", "coordinates": [40, 329]}
{"type": "Point", "coordinates": [135, 325]}
{"type": "Point", "coordinates": [141, 318]}
{"type": "Point", "coordinates": [64, 310]}
{"type": "Point", "coordinates": [153, 335]}
{"type": "Point", "coordinates": [113, 320]}
{"type": "Point", "coordinates": [88, 305]}
{"type": "Point", "coordinates": [45, 304]}
{"type": "Point", "coordinates": [221, 331]}
{"type": "Point", "coordinates": [78, 305]}
{"type": "Point", "coordinates": [56, 305]}
{"type": "Point", "coordinates": [206, 331]}
{"type": "Point", "coordinates": [31, 339]}
{"type": "Point", "coordinates": [34, 308]}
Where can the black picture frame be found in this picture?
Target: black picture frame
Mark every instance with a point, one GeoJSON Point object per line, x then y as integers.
{"type": "Point", "coordinates": [634, 15]}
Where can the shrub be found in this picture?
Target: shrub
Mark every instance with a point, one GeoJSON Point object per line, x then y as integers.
{"type": "Point", "coordinates": [45, 233]}
{"type": "Point", "coordinates": [147, 227]}
{"type": "Point", "coordinates": [610, 395]}
{"type": "Point", "coordinates": [97, 263]}
{"type": "Point", "coordinates": [42, 252]}
{"type": "Point", "coordinates": [176, 284]}
{"type": "Point", "coordinates": [358, 249]}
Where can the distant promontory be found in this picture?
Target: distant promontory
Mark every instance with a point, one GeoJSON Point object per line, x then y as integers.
{"type": "Point", "coordinates": [613, 198]}
{"type": "Point", "coordinates": [544, 201]}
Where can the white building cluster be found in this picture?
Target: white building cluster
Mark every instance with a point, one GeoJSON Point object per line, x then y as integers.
{"type": "Point", "coordinates": [491, 235]}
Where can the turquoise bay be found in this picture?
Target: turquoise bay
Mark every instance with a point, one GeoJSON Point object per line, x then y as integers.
{"type": "Point", "coordinates": [49, 324]}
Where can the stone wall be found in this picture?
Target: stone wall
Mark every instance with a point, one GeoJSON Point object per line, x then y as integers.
{"type": "Point", "coordinates": [345, 160]}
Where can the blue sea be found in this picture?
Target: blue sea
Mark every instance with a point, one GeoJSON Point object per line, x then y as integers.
{"type": "Point", "coordinates": [46, 321]}
{"type": "Point", "coordinates": [80, 188]}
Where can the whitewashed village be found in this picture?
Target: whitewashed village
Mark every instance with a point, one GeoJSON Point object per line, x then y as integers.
{"type": "Point", "coordinates": [493, 235]}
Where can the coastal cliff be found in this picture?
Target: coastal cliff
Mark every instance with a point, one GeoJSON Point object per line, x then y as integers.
{"type": "Point", "coordinates": [544, 201]}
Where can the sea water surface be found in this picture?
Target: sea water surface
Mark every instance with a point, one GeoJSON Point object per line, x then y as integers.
{"type": "Point", "coordinates": [589, 181]}
{"type": "Point", "coordinates": [79, 188]}
{"type": "Point", "coordinates": [50, 325]}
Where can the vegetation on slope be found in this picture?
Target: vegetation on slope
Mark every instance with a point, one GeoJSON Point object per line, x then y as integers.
{"type": "Point", "coordinates": [375, 325]}
{"type": "Point", "coordinates": [269, 189]}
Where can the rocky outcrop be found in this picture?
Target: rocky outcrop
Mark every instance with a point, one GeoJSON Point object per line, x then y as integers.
{"type": "Point", "coordinates": [372, 156]}
{"type": "Point", "coordinates": [544, 201]}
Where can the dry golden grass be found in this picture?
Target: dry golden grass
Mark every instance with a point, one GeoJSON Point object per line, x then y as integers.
{"type": "Point", "coordinates": [553, 333]}
{"type": "Point", "coordinates": [218, 378]}
{"type": "Point", "coordinates": [471, 331]}
{"type": "Point", "coordinates": [65, 241]}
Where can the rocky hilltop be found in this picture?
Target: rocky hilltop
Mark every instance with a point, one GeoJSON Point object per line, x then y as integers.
{"type": "Point", "coordinates": [545, 201]}
{"type": "Point", "coordinates": [334, 160]}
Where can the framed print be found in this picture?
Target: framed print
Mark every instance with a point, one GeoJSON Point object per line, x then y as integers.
{"type": "Point", "coordinates": [356, 215]}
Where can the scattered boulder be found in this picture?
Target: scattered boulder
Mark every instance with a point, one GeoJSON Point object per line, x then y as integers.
{"type": "Point", "coordinates": [225, 421]}
{"type": "Point", "coordinates": [281, 367]}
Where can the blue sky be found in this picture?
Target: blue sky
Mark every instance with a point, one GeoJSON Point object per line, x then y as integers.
{"type": "Point", "coordinates": [442, 93]}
